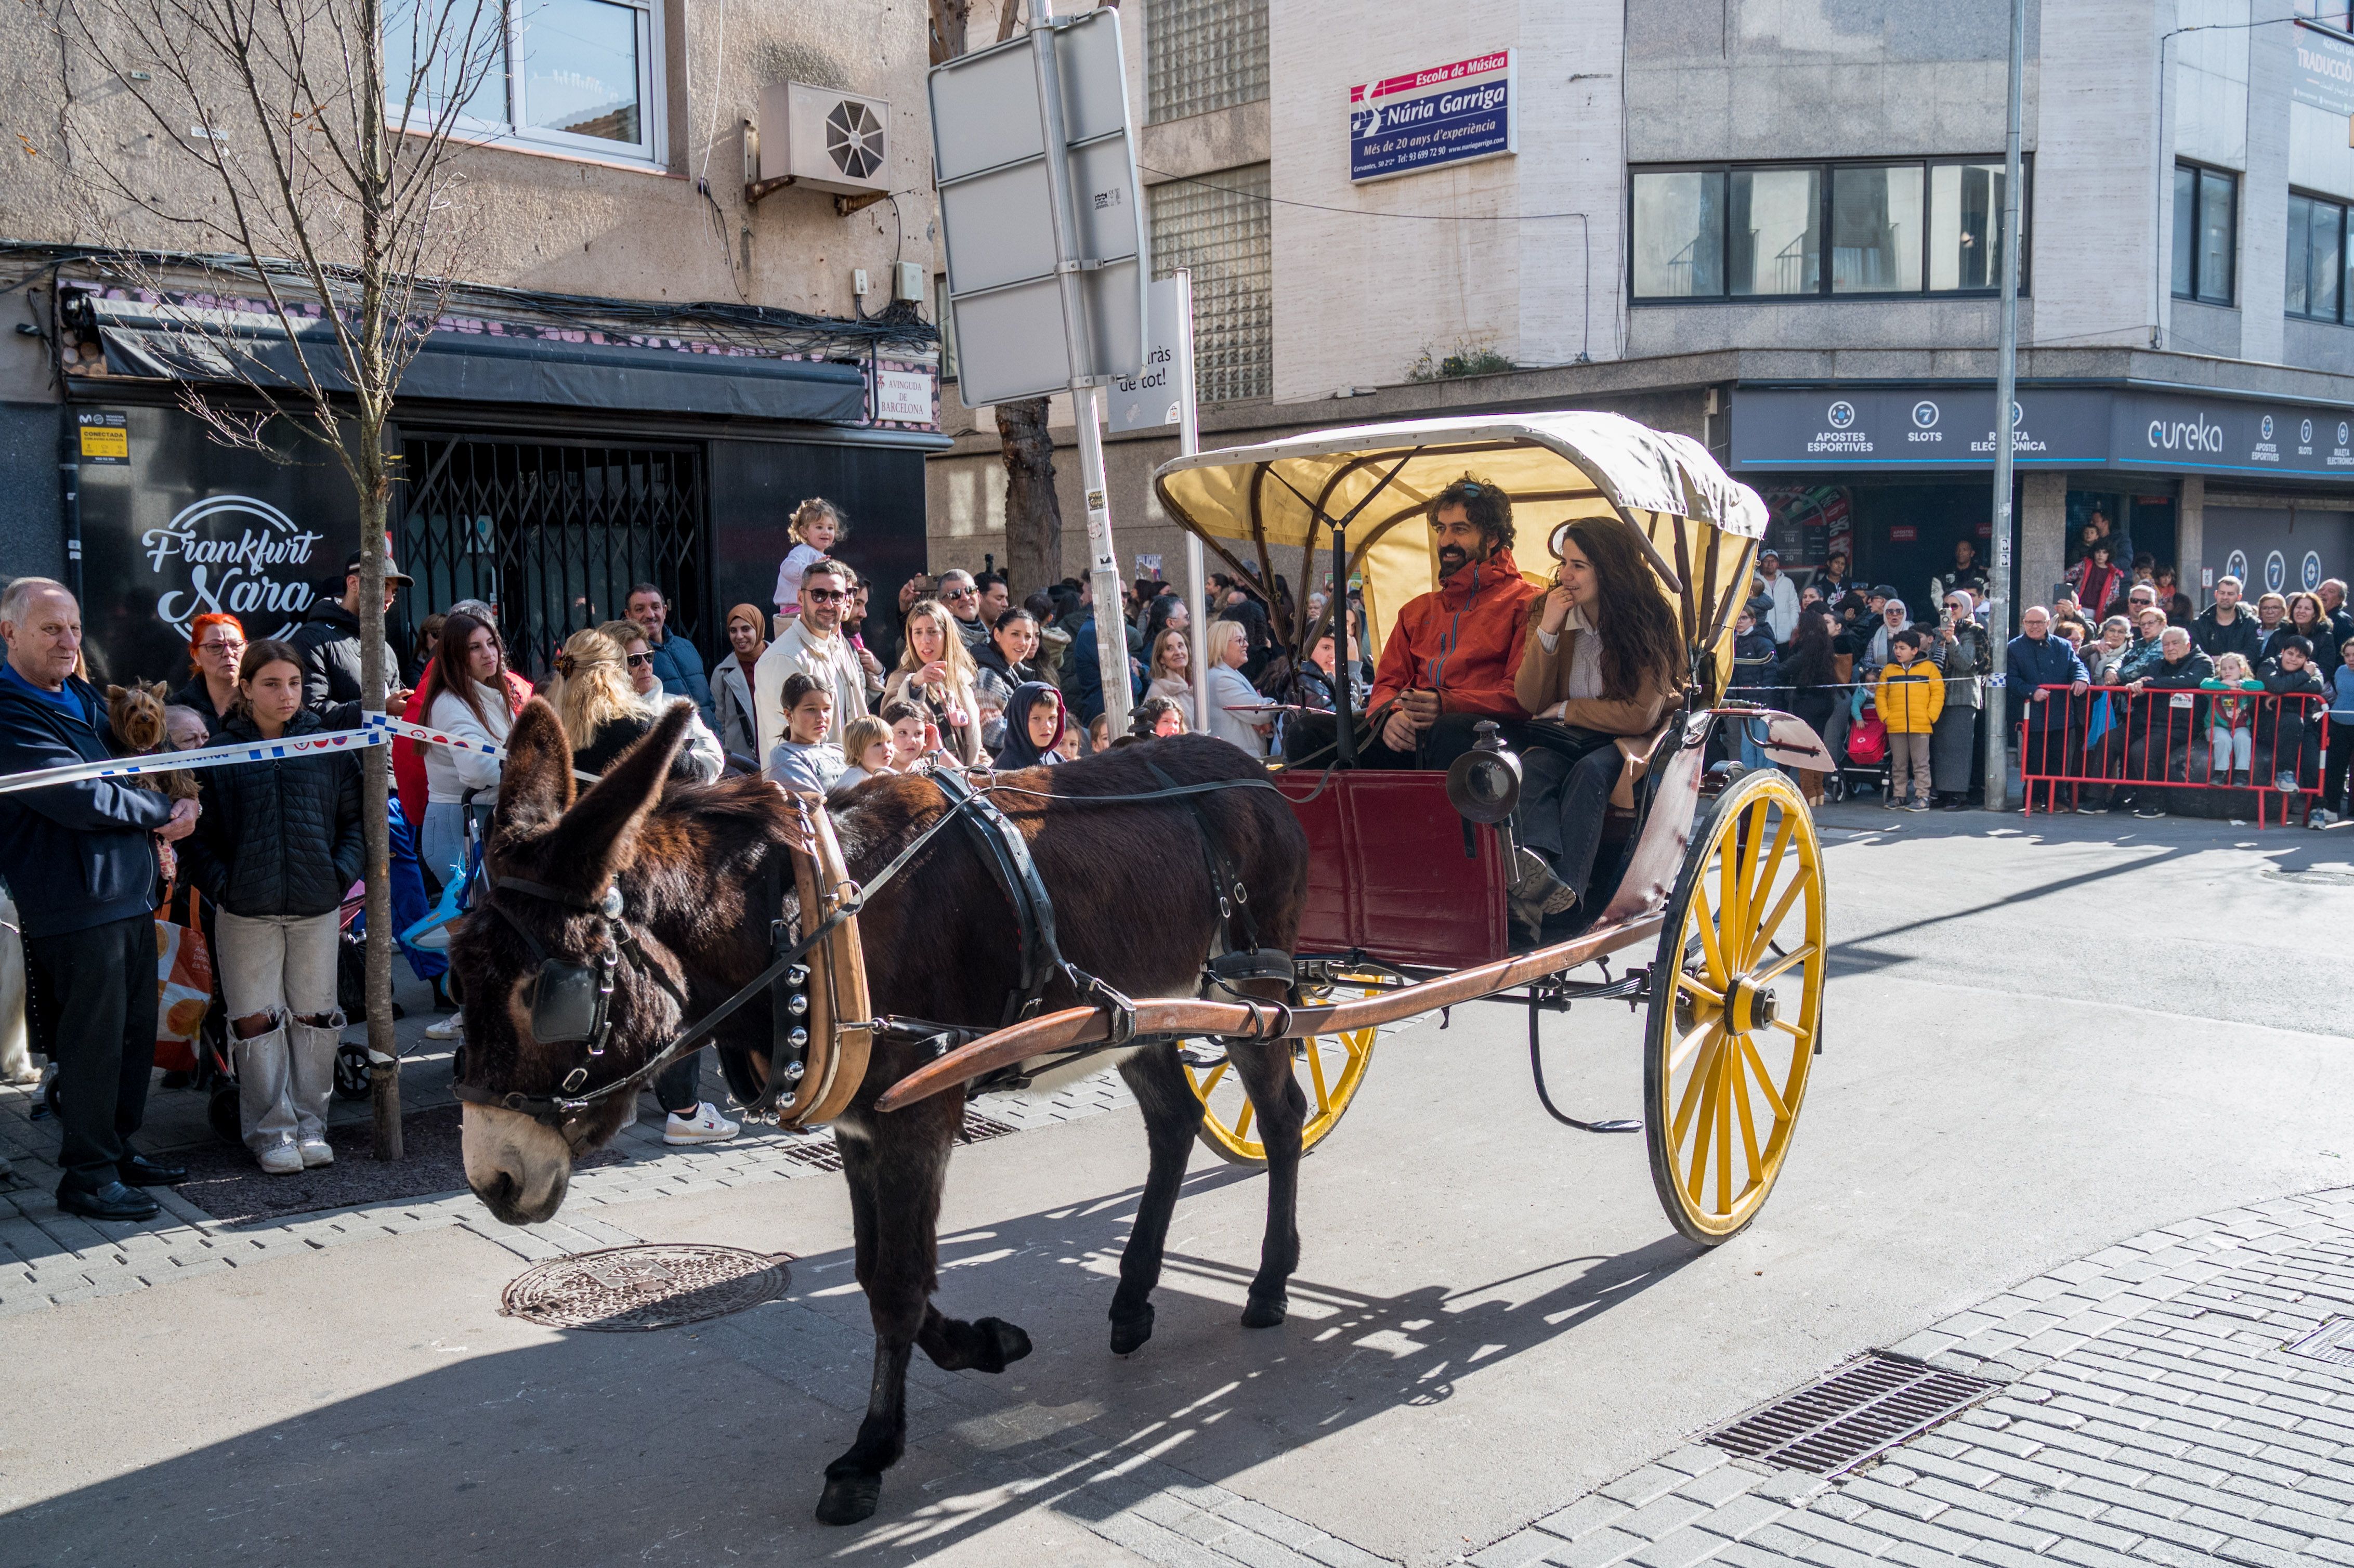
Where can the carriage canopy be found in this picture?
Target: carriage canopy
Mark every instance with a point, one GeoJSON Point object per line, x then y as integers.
{"type": "Point", "coordinates": [1270, 510]}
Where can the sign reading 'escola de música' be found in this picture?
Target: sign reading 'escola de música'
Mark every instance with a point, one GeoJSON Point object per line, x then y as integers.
{"type": "Point", "coordinates": [1433, 119]}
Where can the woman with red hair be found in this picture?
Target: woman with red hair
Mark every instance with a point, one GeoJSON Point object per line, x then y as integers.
{"type": "Point", "coordinates": [216, 643]}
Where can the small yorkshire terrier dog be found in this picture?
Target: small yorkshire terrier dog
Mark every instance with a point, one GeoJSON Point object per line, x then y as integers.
{"type": "Point", "coordinates": [136, 714]}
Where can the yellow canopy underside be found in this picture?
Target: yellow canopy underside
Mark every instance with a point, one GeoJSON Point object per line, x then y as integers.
{"type": "Point", "coordinates": [1258, 507]}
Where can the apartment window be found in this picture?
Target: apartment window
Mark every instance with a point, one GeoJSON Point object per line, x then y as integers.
{"type": "Point", "coordinates": [2206, 202]}
{"type": "Point", "coordinates": [1201, 55]}
{"type": "Point", "coordinates": [2330, 12]}
{"type": "Point", "coordinates": [1218, 226]}
{"type": "Point", "coordinates": [1816, 230]}
{"type": "Point", "coordinates": [577, 76]}
{"type": "Point", "coordinates": [2316, 259]}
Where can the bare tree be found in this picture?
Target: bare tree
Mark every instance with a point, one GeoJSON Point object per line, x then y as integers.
{"type": "Point", "coordinates": [304, 152]}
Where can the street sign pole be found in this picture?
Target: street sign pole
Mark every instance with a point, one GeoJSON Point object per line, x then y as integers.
{"type": "Point", "coordinates": [1189, 441]}
{"type": "Point", "coordinates": [1103, 568]}
{"type": "Point", "coordinates": [2006, 392]}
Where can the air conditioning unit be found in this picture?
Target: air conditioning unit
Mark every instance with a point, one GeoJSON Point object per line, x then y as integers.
{"type": "Point", "coordinates": [824, 138]}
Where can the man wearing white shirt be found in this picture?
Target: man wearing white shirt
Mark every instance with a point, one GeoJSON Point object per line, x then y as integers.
{"type": "Point", "coordinates": [814, 645]}
{"type": "Point", "coordinates": [1782, 620]}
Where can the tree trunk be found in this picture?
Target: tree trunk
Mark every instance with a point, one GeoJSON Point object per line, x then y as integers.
{"type": "Point", "coordinates": [1034, 517]}
{"type": "Point", "coordinates": [384, 1048]}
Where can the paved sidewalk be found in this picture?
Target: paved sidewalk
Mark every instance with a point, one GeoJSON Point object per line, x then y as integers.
{"type": "Point", "coordinates": [2151, 1414]}
{"type": "Point", "coordinates": [48, 1257]}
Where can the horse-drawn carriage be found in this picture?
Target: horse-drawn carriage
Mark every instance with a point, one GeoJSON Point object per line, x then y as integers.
{"type": "Point", "coordinates": [1406, 907]}
{"type": "Point", "coordinates": [1238, 989]}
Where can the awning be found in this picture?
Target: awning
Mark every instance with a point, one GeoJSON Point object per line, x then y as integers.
{"type": "Point", "coordinates": [177, 343]}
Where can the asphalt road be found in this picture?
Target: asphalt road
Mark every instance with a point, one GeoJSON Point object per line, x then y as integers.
{"type": "Point", "coordinates": [2038, 1040]}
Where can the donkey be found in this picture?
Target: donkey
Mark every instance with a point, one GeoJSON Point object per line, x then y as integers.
{"type": "Point", "coordinates": [939, 944]}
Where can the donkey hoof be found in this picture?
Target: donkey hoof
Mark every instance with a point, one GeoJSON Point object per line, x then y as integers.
{"type": "Point", "coordinates": [1128, 1334]}
{"type": "Point", "coordinates": [1264, 1311]}
{"type": "Point", "coordinates": [1003, 1344]}
{"type": "Point", "coordinates": [848, 1499]}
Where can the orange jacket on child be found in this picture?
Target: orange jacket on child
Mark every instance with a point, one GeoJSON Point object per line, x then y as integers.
{"type": "Point", "coordinates": [1462, 641]}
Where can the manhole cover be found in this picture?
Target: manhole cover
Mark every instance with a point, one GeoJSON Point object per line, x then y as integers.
{"type": "Point", "coordinates": [980, 1129]}
{"type": "Point", "coordinates": [654, 1286]}
{"type": "Point", "coordinates": [2332, 1343]}
{"type": "Point", "coordinates": [1859, 1410]}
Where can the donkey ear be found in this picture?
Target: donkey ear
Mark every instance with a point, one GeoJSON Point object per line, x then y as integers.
{"type": "Point", "coordinates": [535, 784]}
{"type": "Point", "coordinates": [600, 834]}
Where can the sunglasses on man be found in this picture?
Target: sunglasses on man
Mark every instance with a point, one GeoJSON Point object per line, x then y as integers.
{"type": "Point", "coordinates": [959, 593]}
{"type": "Point", "coordinates": [823, 595]}
{"type": "Point", "coordinates": [641, 661]}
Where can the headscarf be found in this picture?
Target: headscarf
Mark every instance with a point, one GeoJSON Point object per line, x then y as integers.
{"type": "Point", "coordinates": [1018, 751]}
{"type": "Point", "coordinates": [759, 625]}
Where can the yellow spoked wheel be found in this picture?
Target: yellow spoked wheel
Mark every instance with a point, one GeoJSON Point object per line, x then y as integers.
{"type": "Point", "coordinates": [1330, 1067]}
{"type": "Point", "coordinates": [1731, 1036]}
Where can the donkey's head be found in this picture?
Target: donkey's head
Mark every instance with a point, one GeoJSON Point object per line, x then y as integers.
{"type": "Point", "coordinates": [553, 930]}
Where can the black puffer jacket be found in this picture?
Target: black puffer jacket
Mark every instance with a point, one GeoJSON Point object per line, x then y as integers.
{"type": "Point", "coordinates": [329, 641]}
{"type": "Point", "coordinates": [277, 838]}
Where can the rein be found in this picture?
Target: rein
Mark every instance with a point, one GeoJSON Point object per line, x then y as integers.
{"type": "Point", "coordinates": [560, 985]}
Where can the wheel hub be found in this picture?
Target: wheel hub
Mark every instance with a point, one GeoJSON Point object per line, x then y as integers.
{"type": "Point", "coordinates": [1749, 1006]}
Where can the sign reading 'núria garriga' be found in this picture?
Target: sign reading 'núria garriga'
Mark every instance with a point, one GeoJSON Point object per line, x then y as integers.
{"type": "Point", "coordinates": [1433, 119]}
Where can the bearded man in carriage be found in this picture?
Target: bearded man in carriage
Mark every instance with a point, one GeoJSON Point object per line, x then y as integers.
{"type": "Point", "coordinates": [1448, 662]}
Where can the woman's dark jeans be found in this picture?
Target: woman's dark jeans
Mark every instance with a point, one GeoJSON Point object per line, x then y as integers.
{"type": "Point", "coordinates": [1566, 787]}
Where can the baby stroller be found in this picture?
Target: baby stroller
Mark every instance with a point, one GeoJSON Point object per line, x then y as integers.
{"type": "Point", "coordinates": [1863, 759]}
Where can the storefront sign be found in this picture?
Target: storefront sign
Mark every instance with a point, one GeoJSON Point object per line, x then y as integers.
{"type": "Point", "coordinates": [1432, 119]}
{"type": "Point", "coordinates": [1931, 427]}
{"type": "Point", "coordinates": [903, 396]}
{"type": "Point", "coordinates": [187, 527]}
{"type": "Point", "coordinates": [2324, 72]}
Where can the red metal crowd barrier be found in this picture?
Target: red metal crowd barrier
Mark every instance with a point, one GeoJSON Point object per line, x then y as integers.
{"type": "Point", "coordinates": [2106, 740]}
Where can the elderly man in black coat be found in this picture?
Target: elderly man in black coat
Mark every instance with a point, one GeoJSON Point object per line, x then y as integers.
{"type": "Point", "coordinates": [81, 860]}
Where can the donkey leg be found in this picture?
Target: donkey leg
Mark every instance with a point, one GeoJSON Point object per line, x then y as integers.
{"type": "Point", "coordinates": [1264, 1067]}
{"type": "Point", "coordinates": [1172, 1116]}
{"type": "Point", "coordinates": [894, 1183]}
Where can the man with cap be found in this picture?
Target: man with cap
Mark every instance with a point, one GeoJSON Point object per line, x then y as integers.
{"type": "Point", "coordinates": [329, 641]}
{"type": "Point", "coordinates": [1781, 618]}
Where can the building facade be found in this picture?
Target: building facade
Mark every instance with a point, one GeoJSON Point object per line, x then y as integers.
{"type": "Point", "coordinates": [649, 361]}
{"type": "Point", "coordinates": [1777, 229]}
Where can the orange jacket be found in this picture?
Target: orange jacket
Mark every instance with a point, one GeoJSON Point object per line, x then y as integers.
{"type": "Point", "coordinates": [1463, 641]}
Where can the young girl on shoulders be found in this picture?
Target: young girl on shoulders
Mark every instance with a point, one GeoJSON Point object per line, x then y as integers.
{"type": "Point", "coordinates": [816, 528]}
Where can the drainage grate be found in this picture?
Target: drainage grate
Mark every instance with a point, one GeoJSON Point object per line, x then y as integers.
{"type": "Point", "coordinates": [1862, 1409]}
{"type": "Point", "coordinates": [2332, 1343]}
{"type": "Point", "coordinates": [819, 1154]}
{"type": "Point", "coordinates": [658, 1286]}
{"type": "Point", "coordinates": [980, 1129]}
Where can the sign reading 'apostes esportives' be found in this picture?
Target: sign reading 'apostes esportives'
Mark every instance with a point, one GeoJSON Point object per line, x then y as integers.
{"type": "Point", "coordinates": [1433, 119]}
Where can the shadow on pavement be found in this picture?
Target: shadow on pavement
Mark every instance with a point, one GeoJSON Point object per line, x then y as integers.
{"type": "Point", "coordinates": [707, 1444]}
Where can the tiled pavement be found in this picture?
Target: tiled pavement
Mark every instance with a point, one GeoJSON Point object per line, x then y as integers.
{"type": "Point", "coordinates": [2150, 1413]}
{"type": "Point", "coordinates": [48, 1257]}
{"type": "Point", "coordinates": [2150, 1416]}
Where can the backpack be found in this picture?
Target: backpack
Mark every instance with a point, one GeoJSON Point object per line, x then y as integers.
{"type": "Point", "coordinates": [1867, 739]}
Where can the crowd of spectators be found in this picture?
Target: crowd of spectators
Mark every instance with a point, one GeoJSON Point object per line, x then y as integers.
{"type": "Point", "coordinates": [821, 691]}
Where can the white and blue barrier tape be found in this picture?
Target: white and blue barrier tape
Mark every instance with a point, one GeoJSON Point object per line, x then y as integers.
{"type": "Point", "coordinates": [379, 729]}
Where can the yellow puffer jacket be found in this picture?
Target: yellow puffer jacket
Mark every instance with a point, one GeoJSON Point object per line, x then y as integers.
{"type": "Point", "coordinates": [1910, 697]}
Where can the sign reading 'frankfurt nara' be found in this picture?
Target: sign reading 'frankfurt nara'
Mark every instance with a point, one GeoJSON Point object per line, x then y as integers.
{"type": "Point", "coordinates": [1433, 119]}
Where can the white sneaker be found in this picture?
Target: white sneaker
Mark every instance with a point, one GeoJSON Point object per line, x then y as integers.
{"type": "Point", "coordinates": [451, 1028]}
{"type": "Point", "coordinates": [282, 1158]}
{"type": "Point", "coordinates": [316, 1153]}
{"type": "Point", "coordinates": [703, 1124]}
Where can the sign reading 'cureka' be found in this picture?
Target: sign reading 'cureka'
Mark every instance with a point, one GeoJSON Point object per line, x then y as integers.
{"type": "Point", "coordinates": [1434, 117]}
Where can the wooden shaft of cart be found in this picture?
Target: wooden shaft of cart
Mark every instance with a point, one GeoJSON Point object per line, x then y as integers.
{"type": "Point", "coordinates": [1194, 1016]}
